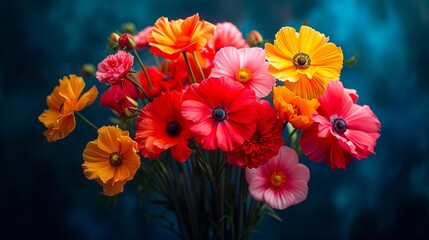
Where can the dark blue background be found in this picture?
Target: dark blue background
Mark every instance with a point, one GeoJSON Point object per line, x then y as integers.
{"type": "Point", "coordinates": [45, 194]}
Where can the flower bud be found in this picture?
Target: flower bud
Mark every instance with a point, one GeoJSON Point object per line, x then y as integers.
{"type": "Point", "coordinates": [126, 41]}
{"type": "Point", "coordinates": [129, 28]}
{"type": "Point", "coordinates": [113, 41]}
{"type": "Point", "coordinates": [254, 39]}
{"type": "Point", "coordinates": [88, 70]}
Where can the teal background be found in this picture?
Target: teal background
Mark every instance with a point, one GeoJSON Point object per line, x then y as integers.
{"type": "Point", "coordinates": [45, 194]}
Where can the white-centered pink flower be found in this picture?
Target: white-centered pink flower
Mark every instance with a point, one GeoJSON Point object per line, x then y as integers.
{"type": "Point", "coordinates": [245, 65]}
{"type": "Point", "coordinates": [281, 182]}
{"type": "Point", "coordinates": [114, 68]}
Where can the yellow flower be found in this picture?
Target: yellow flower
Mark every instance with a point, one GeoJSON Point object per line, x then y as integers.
{"type": "Point", "coordinates": [305, 61]}
{"type": "Point", "coordinates": [63, 102]}
{"type": "Point", "coordinates": [111, 159]}
{"type": "Point", "coordinates": [294, 109]}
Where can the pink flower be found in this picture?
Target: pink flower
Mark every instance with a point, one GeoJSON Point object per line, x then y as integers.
{"type": "Point", "coordinates": [281, 182]}
{"type": "Point", "coordinates": [247, 66]}
{"type": "Point", "coordinates": [141, 38]}
{"type": "Point", "coordinates": [342, 130]}
{"type": "Point", "coordinates": [114, 68]}
{"type": "Point", "coordinates": [220, 113]}
{"type": "Point", "coordinates": [352, 93]}
{"type": "Point", "coordinates": [225, 35]}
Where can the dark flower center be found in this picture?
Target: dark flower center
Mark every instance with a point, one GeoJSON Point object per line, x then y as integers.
{"type": "Point", "coordinates": [115, 159]}
{"type": "Point", "coordinates": [339, 125]}
{"type": "Point", "coordinates": [173, 128]}
{"type": "Point", "coordinates": [301, 61]}
{"type": "Point", "coordinates": [219, 114]}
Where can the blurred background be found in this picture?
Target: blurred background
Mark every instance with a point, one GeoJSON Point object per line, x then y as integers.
{"type": "Point", "coordinates": [45, 194]}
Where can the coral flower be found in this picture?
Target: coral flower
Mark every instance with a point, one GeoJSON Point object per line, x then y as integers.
{"type": "Point", "coordinates": [161, 126]}
{"type": "Point", "coordinates": [111, 159]}
{"type": "Point", "coordinates": [121, 99]}
{"type": "Point", "coordinates": [220, 113]}
{"type": "Point", "coordinates": [294, 109]}
{"type": "Point", "coordinates": [170, 39]}
{"type": "Point", "coordinates": [64, 100]}
{"type": "Point", "coordinates": [304, 60]}
{"type": "Point", "coordinates": [342, 130]}
{"type": "Point", "coordinates": [226, 35]}
{"type": "Point", "coordinates": [281, 182]}
{"type": "Point", "coordinates": [114, 68]}
{"type": "Point", "coordinates": [141, 38]}
{"type": "Point", "coordinates": [264, 143]}
{"type": "Point", "coordinates": [247, 66]}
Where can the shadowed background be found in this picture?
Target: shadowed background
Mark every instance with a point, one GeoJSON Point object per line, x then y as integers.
{"type": "Point", "coordinates": [45, 194]}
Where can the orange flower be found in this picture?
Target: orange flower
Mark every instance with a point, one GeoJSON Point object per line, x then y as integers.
{"type": "Point", "coordinates": [305, 61]}
{"type": "Point", "coordinates": [294, 109]}
{"type": "Point", "coordinates": [111, 159]}
{"type": "Point", "coordinates": [63, 102]}
{"type": "Point", "coordinates": [170, 39]}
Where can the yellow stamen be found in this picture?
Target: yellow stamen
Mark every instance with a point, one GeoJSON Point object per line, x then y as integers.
{"type": "Point", "coordinates": [277, 179]}
{"type": "Point", "coordinates": [115, 159]}
{"type": "Point", "coordinates": [243, 75]}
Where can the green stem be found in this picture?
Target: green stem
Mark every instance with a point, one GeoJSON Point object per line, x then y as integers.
{"type": "Point", "coordinates": [188, 64]}
{"type": "Point", "coordinates": [143, 68]}
{"type": "Point", "coordinates": [290, 135]}
{"type": "Point", "coordinates": [198, 66]}
{"type": "Point", "coordinates": [86, 120]}
{"type": "Point", "coordinates": [137, 84]}
{"type": "Point", "coordinates": [241, 198]}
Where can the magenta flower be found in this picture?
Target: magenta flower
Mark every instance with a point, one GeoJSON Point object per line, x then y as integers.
{"type": "Point", "coordinates": [220, 113]}
{"type": "Point", "coordinates": [342, 130]}
{"type": "Point", "coordinates": [280, 183]}
{"type": "Point", "coordinates": [247, 66]}
{"type": "Point", "coordinates": [114, 68]}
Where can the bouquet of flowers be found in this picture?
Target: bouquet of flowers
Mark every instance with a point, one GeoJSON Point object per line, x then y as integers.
{"type": "Point", "coordinates": [215, 127]}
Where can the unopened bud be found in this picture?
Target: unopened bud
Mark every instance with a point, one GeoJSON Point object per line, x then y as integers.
{"type": "Point", "coordinates": [126, 41]}
{"type": "Point", "coordinates": [129, 28]}
{"type": "Point", "coordinates": [88, 70]}
{"type": "Point", "coordinates": [113, 41]}
{"type": "Point", "coordinates": [133, 102]}
{"type": "Point", "coordinates": [254, 39]}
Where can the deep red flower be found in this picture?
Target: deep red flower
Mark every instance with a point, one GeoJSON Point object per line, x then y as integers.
{"type": "Point", "coordinates": [160, 83]}
{"type": "Point", "coordinates": [265, 142]}
{"type": "Point", "coordinates": [117, 99]}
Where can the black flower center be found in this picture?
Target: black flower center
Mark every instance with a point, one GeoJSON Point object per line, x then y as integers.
{"type": "Point", "coordinates": [301, 61]}
{"type": "Point", "coordinates": [339, 125]}
{"type": "Point", "coordinates": [173, 128]}
{"type": "Point", "coordinates": [115, 159]}
{"type": "Point", "coordinates": [219, 114]}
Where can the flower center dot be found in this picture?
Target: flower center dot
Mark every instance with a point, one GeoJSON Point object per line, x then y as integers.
{"type": "Point", "coordinates": [115, 159]}
{"type": "Point", "coordinates": [243, 75]}
{"type": "Point", "coordinates": [277, 179]}
{"type": "Point", "coordinates": [173, 128]}
{"type": "Point", "coordinates": [219, 114]}
{"type": "Point", "coordinates": [301, 61]}
{"type": "Point", "coordinates": [339, 125]}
